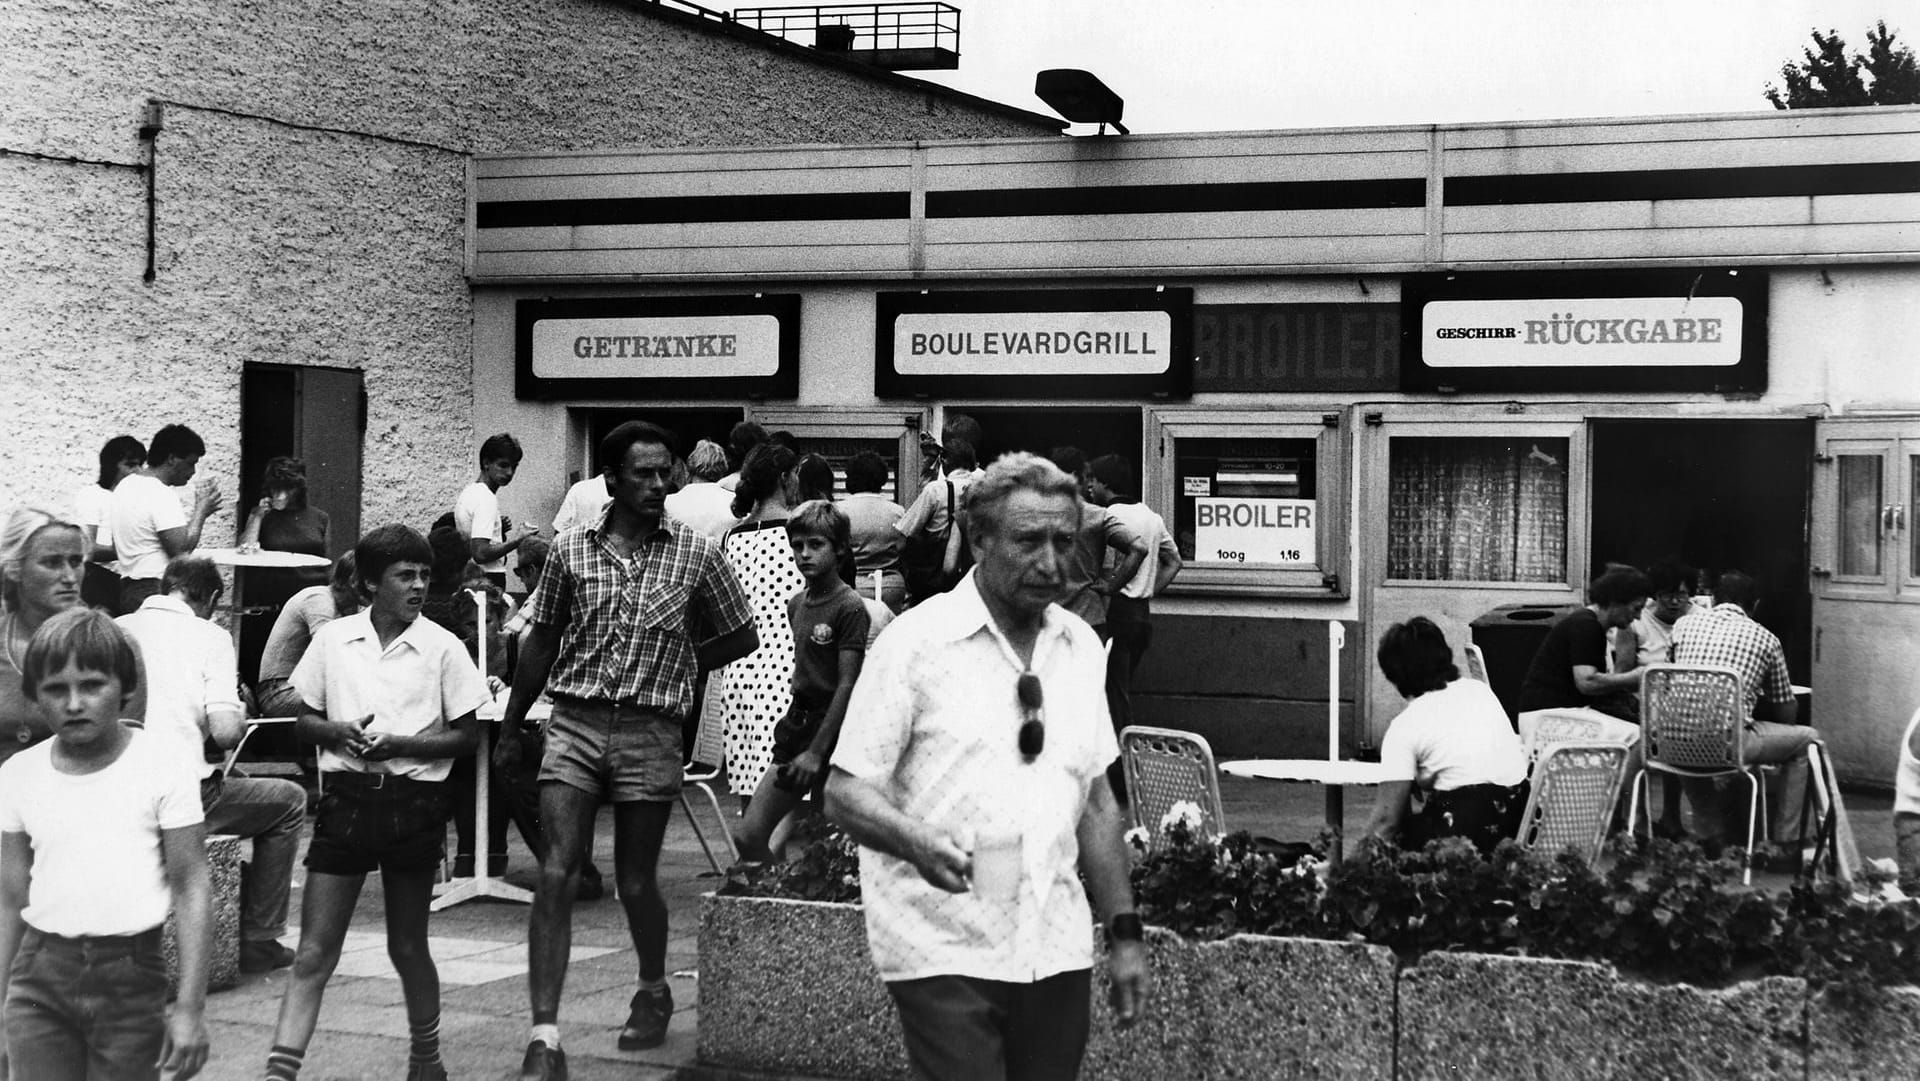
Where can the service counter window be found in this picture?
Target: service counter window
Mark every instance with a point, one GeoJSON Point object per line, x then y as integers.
{"type": "Point", "coordinates": [1254, 501]}
{"type": "Point", "coordinates": [1477, 508]}
{"type": "Point", "coordinates": [838, 435]}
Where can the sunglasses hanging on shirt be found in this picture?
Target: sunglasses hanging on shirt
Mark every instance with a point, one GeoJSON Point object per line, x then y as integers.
{"type": "Point", "coordinates": [1033, 729]}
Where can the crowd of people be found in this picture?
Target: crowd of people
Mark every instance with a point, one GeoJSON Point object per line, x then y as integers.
{"type": "Point", "coordinates": [734, 587]}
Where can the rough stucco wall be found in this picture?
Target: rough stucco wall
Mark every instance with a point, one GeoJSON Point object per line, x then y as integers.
{"type": "Point", "coordinates": [341, 248]}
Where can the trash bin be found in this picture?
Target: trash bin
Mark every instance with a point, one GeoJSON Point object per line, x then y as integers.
{"type": "Point", "coordinates": [1508, 637]}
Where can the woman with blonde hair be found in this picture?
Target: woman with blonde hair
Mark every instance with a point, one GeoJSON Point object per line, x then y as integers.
{"type": "Point", "coordinates": [43, 562]}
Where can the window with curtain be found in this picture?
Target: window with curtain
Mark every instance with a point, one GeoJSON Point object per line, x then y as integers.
{"type": "Point", "coordinates": [1477, 509]}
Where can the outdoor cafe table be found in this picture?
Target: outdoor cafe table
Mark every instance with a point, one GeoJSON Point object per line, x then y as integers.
{"type": "Point", "coordinates": [483, 884]}
{"type": "Point", "coordinates": [263, 557]}
{"type": "Point", "coordinates": [1334, 775]}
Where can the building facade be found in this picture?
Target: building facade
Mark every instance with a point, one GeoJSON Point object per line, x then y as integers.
{"type": "Point", "coordinates": [1365, 374]}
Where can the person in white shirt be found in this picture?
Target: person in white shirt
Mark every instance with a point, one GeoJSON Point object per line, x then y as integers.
{"type": "Point", "coordinates": [582, 504]}
{"type": "Point", "coordinates": [972, 772]}
{"type": "Point", "coordinates": [1129, 608]}
{"type": "Point", "coordinates": [1453, 741]}
{"type": "Point", "coordinates": [120, 458]}
{"type": "Point", "coordinates": [703, 505]}
{"type": "Point", "coordinates": [476, 513]}
{"type": "Point", "coordinates": [148, 524]}
{"type": "Point", "coordinates": [193, 695]}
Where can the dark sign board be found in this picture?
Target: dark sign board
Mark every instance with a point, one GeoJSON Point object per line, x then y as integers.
{"type": "Point", "coordinates": [1066, 343]}
{"type": "Point", "coordinates": [666, 347]}
{"type": "Point", "coordinates": [1644, 330]}
{"type": "Point", "coordinates": [1296, 347]}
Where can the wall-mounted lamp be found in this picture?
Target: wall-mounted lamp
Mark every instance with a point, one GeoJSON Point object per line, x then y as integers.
{"type": "Point", "coordinates": [1080, 97]}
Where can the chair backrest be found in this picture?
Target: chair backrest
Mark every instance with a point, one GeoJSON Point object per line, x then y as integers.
{"type": "Point", "coordinates": [1476, 663]}
{"type": "Point", "coordinates": [1692, 715]}
{"type": "Point", "coordinates": [1548, 728]}
{"type": "Point", "coordinates": [1572, 792]}
{"type": "Point", "coordinates": [709, 738]}
{"type": "Point", "coordinates": [1164, 766]}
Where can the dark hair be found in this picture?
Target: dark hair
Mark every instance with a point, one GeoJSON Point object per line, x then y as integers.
{"type": "Point", "coordinates": [866, 472]}
{"type": "Point", "coordinates": [1114, 472]}
{"type": "Point", "coordinates": [345, 594]}
{"type": "Point", "coordinates": [615, 444]}
{"type": "Point", "coordinates": [195, 576]}
{"type": "Point", "coordinates": [533, 551]}
{"type": "Point", "coordinates": [384, 547]}
{"type": "Point", "coordinates": [1668, 576]}
{"type": "Point", "coordinates": [174, 441]}
{"type": "Point", "coordinates": [500, 448]}
{"type": "Point", "coordinates": [1415, 657]}
{"type": "Point", "coordinates": [121, 448]}
{"type": "Point", "coordinates": [1618, 586]}
{"type": "Point", "coordinates": [84, 638]}
{"type": "Point", "coordinates": [761, 475]}
{"type": "Point", "coordinates": [285, 474]}
{"type": "Point", "coordinates": [820, 518]}
{"type": "Point", "coordinates": [813, 477]}
{"type": "Point", "coordinates": [451, 552]}
{"type": "Point", "coordinates": [962, 426]}
{"type": "Point", "coordinates": [1736, 587]}
{"type": "Point", "coordinates": [958, 453]}
{"type": "Point", "coordinates": [1070, 460]}
{"type": "Point", "coordinates": [741, 439]}
{"type": "Point", "coordinates": [785, 439]}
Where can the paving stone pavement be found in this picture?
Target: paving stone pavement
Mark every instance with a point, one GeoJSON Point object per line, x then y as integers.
{"type": "Point", "coordinates": [481, 954]}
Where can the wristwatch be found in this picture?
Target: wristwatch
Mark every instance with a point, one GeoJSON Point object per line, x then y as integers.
{"type": "Point", "coordinates": [1124, 927]}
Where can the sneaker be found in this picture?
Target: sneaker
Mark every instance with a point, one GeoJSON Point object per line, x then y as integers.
{"type": "Point", "coordinates": [264, 956]}
{"type": "Point", "coordinates": [543, 1063]}
{"type": "Point", "coordinates": [647, 1020]}
{"type": "Point", "coordinates": [427, 1071]}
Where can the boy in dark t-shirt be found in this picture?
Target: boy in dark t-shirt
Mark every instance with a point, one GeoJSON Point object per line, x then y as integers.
{"type": "Point", "coordinates": [829, 643]}
{"type": "Point", "coordinates": [1570, 669]}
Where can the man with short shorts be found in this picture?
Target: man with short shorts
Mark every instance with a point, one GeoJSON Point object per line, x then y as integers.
{"type": "Point", "coordinates": [613, 641]}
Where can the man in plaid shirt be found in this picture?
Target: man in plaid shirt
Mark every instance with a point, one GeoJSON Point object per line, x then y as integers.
{"type": "Point", "coordinates": [618, 620]}
{"type": "Point", "coordinates": [1727, 635]}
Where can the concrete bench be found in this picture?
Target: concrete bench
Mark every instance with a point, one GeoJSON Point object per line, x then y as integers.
{"type": "Point", "coordinates": [223, 968]}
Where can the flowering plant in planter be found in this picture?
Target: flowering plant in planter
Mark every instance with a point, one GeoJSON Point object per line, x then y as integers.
{"type": "Point", "coordinates": [1663, 911]}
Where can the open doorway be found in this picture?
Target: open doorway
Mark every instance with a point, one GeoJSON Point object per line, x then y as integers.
{"type": "Point", "coordinates": [1716, 495]}
{"type": "Point", "coordinates": [688, 426]}
{"type": "Point", "coordinates": [1040, 429]}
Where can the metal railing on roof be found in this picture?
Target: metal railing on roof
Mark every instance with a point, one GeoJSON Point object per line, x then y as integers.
{"type": "Point", "coordinates": [899, 33]}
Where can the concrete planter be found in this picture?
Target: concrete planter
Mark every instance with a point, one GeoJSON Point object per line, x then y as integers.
{"type": "Point", "coordinates": [788, 987]}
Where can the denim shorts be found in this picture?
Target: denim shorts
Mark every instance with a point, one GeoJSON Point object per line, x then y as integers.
{"type": "Point", "coordinates": [86, 1008]}
{"type": "Point", "coordinates": [621, 753]}
{"type": "Point", "coordinates": [379, 822]}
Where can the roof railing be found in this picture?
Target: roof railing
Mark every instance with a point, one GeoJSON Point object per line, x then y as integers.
{"type": "Point", "coordinates": [894, 34]}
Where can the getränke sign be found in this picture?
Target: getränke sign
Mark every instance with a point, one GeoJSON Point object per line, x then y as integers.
{"type": "Point", "coordinates": [646, 346]}
{"type": "Point", "coordinates": [1622, 332]}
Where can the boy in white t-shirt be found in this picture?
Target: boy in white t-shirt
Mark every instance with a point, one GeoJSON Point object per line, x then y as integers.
{"type": "Point", "coordinates": [390, 699]}
{"type": "Point", "coordinates": [99, 838]}
{"type": "Point", "coordinates": [476, 513]}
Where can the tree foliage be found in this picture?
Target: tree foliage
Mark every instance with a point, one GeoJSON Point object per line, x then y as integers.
{"type": "Point", "coordinates": [1828, 76]}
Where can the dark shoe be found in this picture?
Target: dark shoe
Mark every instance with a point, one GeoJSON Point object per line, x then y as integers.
{"type": "Point", "coordinates": [264, 956]}
{"type": "Point", "coordinates": [590, 887]}
{"type": "Point", "coordinates": [463, 865]}
{"type": "Point", "coordinates": [1783, 858]}
{"type": "Point", "coordinates": [543, 1063]}
{"type": "Point", "coordinates": [647, 1021]}
{"type": "Point", "coordinates": [496, 865]}
{"type": "Point", "coordinates": [1670, 831]}
{"type": "Point", "coordinates": [427, 1071]}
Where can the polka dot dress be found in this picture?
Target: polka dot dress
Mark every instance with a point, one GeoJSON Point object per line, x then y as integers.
{"type": "Point", "coordinates": [756, 689]}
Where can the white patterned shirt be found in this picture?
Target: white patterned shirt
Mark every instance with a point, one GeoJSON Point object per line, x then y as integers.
{"type": "Point", "coordinates": [934, 724]}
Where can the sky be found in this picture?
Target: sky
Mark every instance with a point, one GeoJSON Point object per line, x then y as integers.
{"type": "Point", "coordinates": [1234, 65]}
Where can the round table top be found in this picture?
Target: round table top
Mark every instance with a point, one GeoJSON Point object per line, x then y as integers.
{"type": "Point", "coordinates": [264, 557]}
{"type": "Point", "coordinates": [1318, 770]}
{"type": "Point", "coordinates": [497, 708]}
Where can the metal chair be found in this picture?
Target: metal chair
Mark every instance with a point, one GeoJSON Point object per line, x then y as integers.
{"type": "Point", "coordinates": [1542, 731]}
{"type": "Point", "coordinates": [1693, 721]}
{"type": "Point", "coordinates": [1164, 766]}
{"type": "Point", "coordinates": [1476, 663]}
{"type": "Point", "coordinates": [1573, 788]}
{"type": "Point", "coordinates": [706, 766]}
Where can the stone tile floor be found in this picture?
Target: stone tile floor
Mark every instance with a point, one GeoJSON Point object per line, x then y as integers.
{"type": "Point", "coordinates": [480, 948]}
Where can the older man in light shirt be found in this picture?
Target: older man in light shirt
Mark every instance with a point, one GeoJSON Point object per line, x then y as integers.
{"type": "Point", "coordinates": [972, 771]}
{"type": "Point", "coordinates": [192, 696]}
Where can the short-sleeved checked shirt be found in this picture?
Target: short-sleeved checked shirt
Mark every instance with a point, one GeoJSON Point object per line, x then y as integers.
{"type": "Point", "coordinates": [1726, 635]}
{"type": "Point", "coordinates": [934, 723]}
{"type": "Point", "coordinates": [632, 622]}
